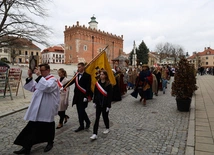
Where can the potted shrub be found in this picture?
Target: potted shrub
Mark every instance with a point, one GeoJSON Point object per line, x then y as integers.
{"type": "Point", "coordinates": [184, 84]}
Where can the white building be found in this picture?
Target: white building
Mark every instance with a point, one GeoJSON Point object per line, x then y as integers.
{"type": "Point", "coordinates": [54, 54]}
{"type": "Point", "coordinates": [5, 53]}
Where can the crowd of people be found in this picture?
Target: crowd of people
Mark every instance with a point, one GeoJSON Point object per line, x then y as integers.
{"type": "Point", "coordinates": [51, 98]}
{"type": "Point", "coordinates": [143, 80]}
{"type": "Point", "coordinates": [204, 71]}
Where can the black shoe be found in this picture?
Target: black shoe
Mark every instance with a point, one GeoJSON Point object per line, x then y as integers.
{"type": "Point", "coordinates": [22, 151]}
{"type": "Point", "coordinates": [79, 129]}
{"type": "Point", "coordinates": [59, 126]}
{"type": "Point", "coordinates": [66, 118]}
{"type": "Point", "coordinates": [87, 126]}
{"type": "Point", "coordinates": [48, 147]}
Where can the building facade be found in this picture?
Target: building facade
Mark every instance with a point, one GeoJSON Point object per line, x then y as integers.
{"type": "Point", "coordinates": [153, 60]}
{"type": "Point", "coordinates": [202, 59]}
{"type": "Point", "coordinates": [5, 54]}
{"type": "Point", "coordinates": [20, 51]}
{"type": "Point", "coordinates": [83, 43]}
{"type": "Point", "coordinates": [54, 54]}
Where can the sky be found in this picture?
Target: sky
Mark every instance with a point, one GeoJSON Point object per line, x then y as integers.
{"type": "Point", "coordinates": [188, 23]}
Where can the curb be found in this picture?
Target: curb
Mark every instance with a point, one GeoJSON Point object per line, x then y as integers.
{"type": "Point", "coordinates": [25, 107]}
{"type": "Point", "coordinates": [190, 146]}
{"type": "Point", "coordinates": [12, 112]}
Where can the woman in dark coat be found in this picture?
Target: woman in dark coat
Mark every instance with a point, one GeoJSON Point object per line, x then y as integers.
{"type": "Point", "coordinates": [102, 102]}
{"type": "Point", "coordinates": [116, 89]}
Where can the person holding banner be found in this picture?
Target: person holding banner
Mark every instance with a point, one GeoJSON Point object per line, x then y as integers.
{"type": "Point", "coordinates": [42, 109]}
{"type": "Point", "coordinates": [64, 96]}
{"type": "Point", "coordinates": [102, 102]}
{"type": "Point", "coordinates": [82, 95]}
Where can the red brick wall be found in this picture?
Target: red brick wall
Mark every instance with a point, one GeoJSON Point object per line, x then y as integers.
{"type": "Point", "coordinates": [78, 36]}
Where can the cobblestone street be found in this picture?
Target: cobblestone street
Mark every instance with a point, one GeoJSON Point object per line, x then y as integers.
{"type": "Point", "coordinates": [135, 129]}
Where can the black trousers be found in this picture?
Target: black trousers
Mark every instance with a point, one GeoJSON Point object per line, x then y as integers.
{"type": "Point", "coordinates": [61, 116]}
{"type": "Point", "coordinates": [100, 110]}
{"type": "Point", "coordinates": [82, 115]}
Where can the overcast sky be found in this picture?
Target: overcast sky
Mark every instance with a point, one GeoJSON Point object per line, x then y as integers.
{"type": "Point", "coordinates": [189, 23]}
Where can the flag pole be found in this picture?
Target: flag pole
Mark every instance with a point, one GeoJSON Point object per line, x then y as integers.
{"type": "Point", "coordinates": [95, 58]}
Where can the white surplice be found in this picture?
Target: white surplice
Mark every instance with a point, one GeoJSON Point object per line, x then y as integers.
{"type": "Point", "coordinates": [45, 100]}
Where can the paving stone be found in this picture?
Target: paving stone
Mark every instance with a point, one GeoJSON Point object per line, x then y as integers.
{"type": "Point", "coordinates": [204, 140]}
{"type": "Point", "coordinates": [204, 133]}
{"type": "Point", "coordinates": [205, 147]}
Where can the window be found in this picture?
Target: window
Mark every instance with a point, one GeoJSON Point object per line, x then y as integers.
{"type": "Point", "coordinates": [53, 55]}
{"type": "Point", "coordinates": [100, 50]}
{"type": "Point", "coordinates": [37, 53]}
{"type": "Point", "coordinates": [56, 60]}
{"type": "Point", "coordinates": [70, 47]}
{"type": "Point", "coordinates": [59, 60]}
{"type": "Point", "coordinates": [26, 53]}
{"type": "Point", "coordinates": [56, 55]}
{"type": "Point", "coordinates": [20, 52]}
{"type": "Point", "coordinates": [206, 63]}
{"type": "Point", "coordinates": [0, 49]}
{"type": "Point", "coordinates": [206, 57]}
{"type": "Point", "coordinates": [62, 56]}
{"type": "Point", "coordinates": [5, 51]}
{"type": "Point", "coordinates": [31, 53]}
{"type": "Point", "coordinates": [85, 47]}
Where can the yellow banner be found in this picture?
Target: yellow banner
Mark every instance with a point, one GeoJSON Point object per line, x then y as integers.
{"type": "Point", "coordinates": [100, 63]}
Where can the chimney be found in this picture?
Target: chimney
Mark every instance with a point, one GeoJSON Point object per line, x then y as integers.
{"type": "Point", "coordinates": [204, 48]}
{"type": "Point", "coordinates": [208, 47]}
{"type": "Point", "coordinates": [77, 23]}
{"type": "Point", "coordinates": [65, 27]}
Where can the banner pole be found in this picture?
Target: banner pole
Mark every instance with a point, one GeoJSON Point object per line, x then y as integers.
{"type": "Point", "coordinates": [95, 58]}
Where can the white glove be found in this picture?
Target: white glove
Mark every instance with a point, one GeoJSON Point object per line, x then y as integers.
{"type": "Point", "coordinates": [94, 105]}
{"type": "Point", "coordinates": [61, 89]}
{"type": "Point", "coordinates": [85, 99]}
{"type": "Point", "coordinates": [107, 109]}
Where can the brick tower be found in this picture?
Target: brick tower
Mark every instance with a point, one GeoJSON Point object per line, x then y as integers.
{"type": "Point", "coordinates": [83, 43]}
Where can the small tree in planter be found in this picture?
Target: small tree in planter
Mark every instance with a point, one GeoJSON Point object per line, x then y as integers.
{"type": "Point", "coordinates": [184, 84]}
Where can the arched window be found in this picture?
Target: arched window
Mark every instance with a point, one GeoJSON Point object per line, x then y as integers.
{"type": "Point", "coordinates": [85, 47]}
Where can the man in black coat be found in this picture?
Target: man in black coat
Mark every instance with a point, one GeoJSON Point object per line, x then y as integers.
{"type": "Point", "coordinates": [82, 95]}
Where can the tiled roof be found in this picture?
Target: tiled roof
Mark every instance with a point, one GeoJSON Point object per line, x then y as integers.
{"type": "Point", "coordinates": [192, 57]}
{"type": "Point", "coordinates": [19, 42]}
{"type": "Point", "coordinates": [53, 49]}
{"type": "Point", "coordinates": [207, 51]}
{"type": "Point", "coordinates": [25, 43]}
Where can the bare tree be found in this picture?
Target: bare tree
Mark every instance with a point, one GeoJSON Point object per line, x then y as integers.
{"type": "Point", "coordinates": [169, 50]}
{"type": "Point", "coordinates": [160, 50]}
{"type": "Point", "coordinates": [17, 21]}
{"type": "Point", "coordinates": [168, 47]}
{"type": "Point", "coordinates": [177, 52]}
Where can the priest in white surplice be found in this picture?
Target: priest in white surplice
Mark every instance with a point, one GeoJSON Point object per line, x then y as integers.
{"type": "Point", "coordinates": [42, 109]}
